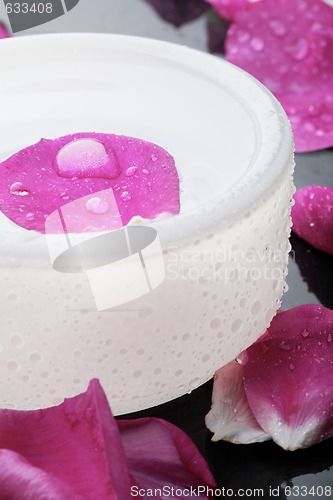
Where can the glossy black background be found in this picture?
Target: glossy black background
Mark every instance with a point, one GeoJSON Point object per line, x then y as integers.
{"type": "Point", "coordinates": [265, 465]}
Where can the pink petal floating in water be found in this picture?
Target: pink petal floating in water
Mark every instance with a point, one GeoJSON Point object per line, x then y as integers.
{"type": "Point", "coordinates": [41, 178]}
{"type": "Point", "coordinates": [161, 455]}
{"type": "Point", "coordinates": [288, 377]}
{"type": "Point", "coordinates": [288, 46]}
{"type": "Point", "coordinates": [312, 216]}
{"type": "Point", "coordinates": [75, 445]}
{"type": "Point", "coordinates": [230, 417]}
{"type": "Point", "coordinates": [3, 32]}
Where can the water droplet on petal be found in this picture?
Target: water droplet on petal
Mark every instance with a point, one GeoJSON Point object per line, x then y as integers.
{"type": "Point", "coordinates": [305, 333]}
{"type": "Point", "coordinates": [299, 50]}
{"type": "Point", "coordinates": [329, 337]}
{"type": "Point", "coordinates": [145, 171]}
{"type": "Point", "coordinates": [242, 36]}
{"type": "Point", "coordinates": [153, 158]}
{"type": "Point", "coordinates": [17, 189]}
{"type": "Point", "coordinates": [285, 346]}
{"type": "Point", "coordinates": [257, 44]}
{"type": "Point", "coordinates": [86, 158]}
{"type": "Point", "coordinates": [30, 216]}
{"type": "Point", "coordinates": [131, 170]}
{"type": "Point", "coordinates": [97, 206]}
{"type": "Point", "coordinates": [125, 195]}
{"type": "Point", "coordinates": [278, 28]}
{"type": "Point", "coordinates": [291, 366]}
{"type": "Point", "coordinates": [327, 118]}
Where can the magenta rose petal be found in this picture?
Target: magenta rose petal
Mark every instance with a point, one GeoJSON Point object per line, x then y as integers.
{"type": "Point", "coordinates": [230, 418]}
{"type": "Point", "coordinates": [77, 442]}
{"type": "Point", "coordinates": [288, 377]}
{"type": "Point", "coordinates": [21, 480]}
{"type": "Point", "coordinates": [38, 180]}
{"type": "Point", "coordinates": [228, 9]}
{"type": "Point", "coordinates": [288, 46]}
{"type": "Point", "coordinates": [3, 32]}
{"type": "Point", "coordinates": [160, 454]}
{"type": "Point", "coordinates": [312, 216]}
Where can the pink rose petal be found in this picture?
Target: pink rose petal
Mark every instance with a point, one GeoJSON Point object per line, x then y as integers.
{"type": "Point", "coordinates": [229, 8]}
{"type": "Point", "coordinates": [288, 377]}
{"type": "Point", "coordinates": [3, 32]}
{"type": "Point", "coordinates": [312, 216]}
{"type": "Point", "coordinates": [75, 444]}
{"type": "Point", "coordinates": [78, 451]}
{"type": "Point", "coordinates": [20, 480]}
{"type": "Point", "coordinates": [230, 417]}
{"type": "Point", "coordinates": [39, 179]}
{"type": "Point", "coordinates": [159, 454]}
{"type": "Point", "coordinates": [288, 46]}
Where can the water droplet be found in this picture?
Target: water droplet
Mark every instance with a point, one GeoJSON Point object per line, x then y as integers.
{"type": "Point", "coordinates": [16, 340]}
{"type": "Point", "coordinates": [291, 366]}
{"type": "Point", "coordinates": [30, 216]}
{"type": "Point", "coordinates": [305, 333]}
{"type": "Point", "coordinates": [64, 196]}
{"type": "Point", "coordinates": [125, 195]}
{"type": "Point", "coordinates": [242, 36]}
{"type": "Point", "coordinates": [278, 28]}
{"type": "Point", "coordinates": [285, 346]}
{"type": "Point", "coordinates": [327, 118]}
{"type": "Point", "coordinates": [153, 158]}
{"type": "Point", "coordinates": [299, 50]}
{"type": "Point", "coordinates": [86, 158]}
{"type": "Point", "coordinates": [17, 189]}
{"type": "Point", "coordinates": [12, 366]}
{"type": "Point", "coordinates": [97, 206]}
{"type": "Point", "coordinates": [131, 170]}
{"type": "Point", "coordinates": [145, 171]}
{"type": "Point", "coordinates": [35, 357]}
{"type": "Point", "coordinates": [329, 337]}
{"type": "Point", "coordinates": [257, 44]}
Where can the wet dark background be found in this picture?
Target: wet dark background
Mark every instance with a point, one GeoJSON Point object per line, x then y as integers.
{"type": "Point", "coordinates": [265, 465]}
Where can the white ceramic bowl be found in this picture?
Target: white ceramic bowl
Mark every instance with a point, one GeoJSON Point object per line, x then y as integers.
{"type": "Point", "coordinates": [225, 254]}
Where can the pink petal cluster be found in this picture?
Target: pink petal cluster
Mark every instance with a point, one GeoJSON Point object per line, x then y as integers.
{"type": "Point", "coordinates": [282, 386]}
{"type": "Point", "coordinates": [312, 216]}
{"type": "Point", "coordinates": [3, 32]}
{"type": "Point", "coordinates": [288, 46]}
{"type": "Point", "coordinates": [142, 175]}
{"type": "Point", "coordinates": [77, 450]}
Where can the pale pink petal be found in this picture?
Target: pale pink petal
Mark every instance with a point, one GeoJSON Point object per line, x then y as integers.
{"type": "Point", "coordinates": [288, 46]}
{"type": "Point", "coordinates": [39, 179]}
{"type": "Point", "coordinates": [77, 443]}
{"type": "Point", "coordinates": [312, 216]}
{"type": "Point", "coordinates": [159, 454]}
{"type": "Point", "coordinates": [3, 32]}
{"type": "Point", "coordinates": [230, 417]}
{"type": "Point", "coordinates": [288, 377]}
